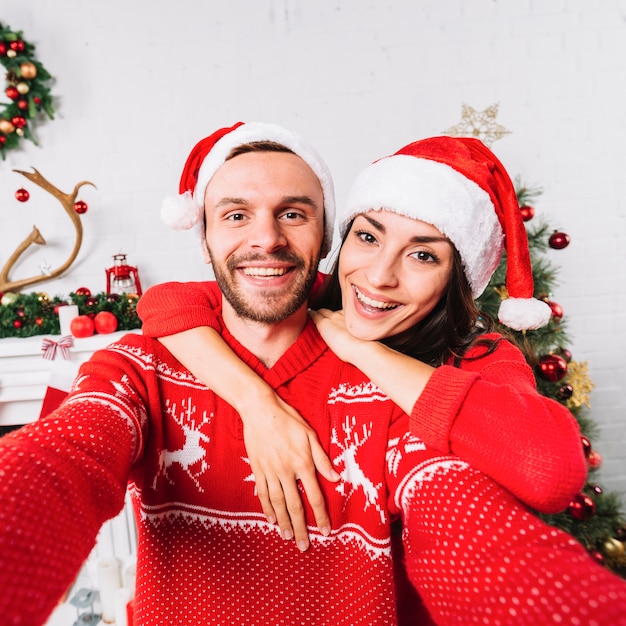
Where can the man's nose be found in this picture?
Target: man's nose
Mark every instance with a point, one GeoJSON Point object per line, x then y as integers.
{"type": "Point", "coordinates": [267, 233]}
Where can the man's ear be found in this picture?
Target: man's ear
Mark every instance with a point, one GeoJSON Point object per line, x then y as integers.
{"type": "Point", "coordinates": [205, 251]}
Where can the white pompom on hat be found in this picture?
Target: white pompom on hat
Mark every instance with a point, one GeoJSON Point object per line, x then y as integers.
{"type": "Point", "coordinates": [184, 211]}
{"type": "Point", "coordinates": [459, 186]}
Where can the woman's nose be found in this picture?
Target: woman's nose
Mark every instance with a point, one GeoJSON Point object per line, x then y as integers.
{"type": "Point", "coordinates": [382, 272]}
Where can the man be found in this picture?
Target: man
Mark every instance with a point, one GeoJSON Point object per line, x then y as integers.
{"type": "Point", "coordinates": [206, 553]}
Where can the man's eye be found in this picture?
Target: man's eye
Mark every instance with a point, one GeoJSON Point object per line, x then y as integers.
{"type": "Point", "coordinates": [291, 215]}
{"type": "Point", "coordinates": [235, 217]}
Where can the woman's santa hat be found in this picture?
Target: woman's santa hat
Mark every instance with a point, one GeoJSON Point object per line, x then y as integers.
{"type": "Point", "coordinates": [459, 186]}
{"type": "Point", "coordinates": [184, 211]}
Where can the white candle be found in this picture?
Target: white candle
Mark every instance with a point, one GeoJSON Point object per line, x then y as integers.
{"type": "Point", "coordinates": [66, 315]}
{"type": "Point", "coordinates": [109, 581]}
{"type": "Point", "coordinates": [122, 598]}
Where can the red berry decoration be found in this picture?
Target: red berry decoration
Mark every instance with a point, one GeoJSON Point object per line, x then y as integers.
{"type": "Point", "coordinates": [105, 322]}
{"type": "Point", "coordinates": [557, 310]}
{"type": "Point", "coordinates": [566, 392]}
{"type": "Point", "coordinates": [586, 446]}
{"type": "Point", "coordinates": [83, 291]}
{"type": "Point", "coordinates": [558, 240]}
{"type": "Point", "coordinates": [3, 48]}
{"type": "Point", "coordinates": [22, 105]}
{"type": "Point", "coordinates": [582, 507]}
{"type": "Point", "coordinates": [39, 321]}
{"type": "Point", "coordinates": [527, 212]}
{"type": "Point", "coordinates": [80, 207]}
{"type": "Point", "coordinates": [18, 121]}
{"type": "Point", "coordinates": [82, 326]}
{"type": "Point", "coordinates": [17, 323]}
{"type": "Point", "coordinates": [22, 195]}
{"type": "Point", "coordinates": [552, 367]}
{"type": "Point", "coordinates": [596, 489]}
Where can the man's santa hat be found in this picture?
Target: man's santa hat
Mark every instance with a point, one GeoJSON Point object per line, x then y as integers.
{"type": "Point", "coordinates": [209, 154]}
{"type": "Point", "coordinates": [459, 186]}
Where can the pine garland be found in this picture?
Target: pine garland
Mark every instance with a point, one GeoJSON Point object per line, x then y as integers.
{"type": "Point", "coordinates": [37, 314]}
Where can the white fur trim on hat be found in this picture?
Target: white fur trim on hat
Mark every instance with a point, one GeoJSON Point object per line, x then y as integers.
{"type": "Point", "coordinates": [180, 212]}
{"type": "Point", "coordinates": [524, 313]}
{"type": "Point", "coordinates": [435, 193]}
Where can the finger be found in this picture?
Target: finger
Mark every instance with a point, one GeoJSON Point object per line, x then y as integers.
{"type": "Point", "coordinates": [316, 500]}
{"type": "Point", "coordinates": [322, 462]}
{"type": "Point", "coordinates": [279, 505]}
{"type": "Point", "coordinates": [264, 498]}
{"type": "Point", "coordinates": [296, 515]}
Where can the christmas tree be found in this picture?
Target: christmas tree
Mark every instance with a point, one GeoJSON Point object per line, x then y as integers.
{"type": "Point", "coordinates": [594, 517]}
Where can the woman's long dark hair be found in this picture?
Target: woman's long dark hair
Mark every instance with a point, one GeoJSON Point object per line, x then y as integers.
{"type": "Point", "coordinates": [447, 331]}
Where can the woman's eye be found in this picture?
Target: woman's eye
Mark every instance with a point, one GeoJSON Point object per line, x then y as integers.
{"type": "Point", "coordinates": [365, 236]}
{"type": "Point", "coordinates": [424, 257]}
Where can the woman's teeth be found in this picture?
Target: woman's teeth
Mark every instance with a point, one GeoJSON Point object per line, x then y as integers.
{"type": "Point", "coordinates": [363, 299]}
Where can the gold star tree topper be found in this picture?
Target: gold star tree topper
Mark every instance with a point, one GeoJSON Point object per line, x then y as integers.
{"type": "Point", "coordinates": [479, 124]}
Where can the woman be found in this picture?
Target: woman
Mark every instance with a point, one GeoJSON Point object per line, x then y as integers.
{"type": "Point", "coordinates": [423, 232]}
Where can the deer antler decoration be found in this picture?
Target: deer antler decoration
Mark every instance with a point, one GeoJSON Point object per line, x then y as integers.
{"type": "Point", "coordinates": [67, 200]}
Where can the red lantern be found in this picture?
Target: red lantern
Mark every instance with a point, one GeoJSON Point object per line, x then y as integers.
{"type": "Point", "coordinates": [122, 278]}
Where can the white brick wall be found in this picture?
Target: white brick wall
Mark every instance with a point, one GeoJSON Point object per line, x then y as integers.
{"type": "Point", "coordinates": [139, 81]}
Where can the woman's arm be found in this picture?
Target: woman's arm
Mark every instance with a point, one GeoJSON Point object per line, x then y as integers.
{"type": "Point", "coordinates": [488, 412]}
{"type": "Point", "coordinates": [281, 446]}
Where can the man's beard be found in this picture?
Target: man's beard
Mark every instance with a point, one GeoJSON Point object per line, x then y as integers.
{"type": "Point", "coordinates": [275, 308]}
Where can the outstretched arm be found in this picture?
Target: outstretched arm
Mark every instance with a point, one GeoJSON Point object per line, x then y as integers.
{"type": "Point", "coordinates": [281, 446]}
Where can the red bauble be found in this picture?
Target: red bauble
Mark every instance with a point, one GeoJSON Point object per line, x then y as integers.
{"type": "Point", "coordinates": [3, 48]}
{"type": "Point", "coordinates": [17, 45]}
{"type": "Point", "coordinates": [80, 207]}
{"type": "Point", "coordinates": [12, 93]}
{"type": "Point", "coordinates": [113, 297]}
{"type": "Point", "coordinates": [82, 326]}
{"type": "Point", "coordinates": [527, 212]}
{"type": "Point", "coordinates": [557, 310]}
{"type": "Point", "coordinates": [39, 321]}
{"type": "Point", "coordinates": [2, 139]}
{"type": "Point", "coordinates": [594, 460]}
{"type": "Point", "coordinates": [22, 105]}
{"type": "Point", "coordinates": [582, 507]}
{"type": "Point", "coordinates": [21, 313]}
{"type": "Point", "coordinates": [566, 392]}
{"type": "Point", "coordinates": [558, 241]}
{"type": "Point", "coordinates": [596, 489]}
{"type": "Point", "coordinates": [105, 322]}
{"type": "Point", "coordinates": [83, 291]}
{"type": "Point", "coordinates": [91, 301]}
{"type": "Point", "coordinates": [586, 446]}
{"type": "Point", "coordinates": [552, 367]}
{"type": "Point", "coordinates": [22, 195]}
{"type": "Point", "coordinates": [17, 323]}
{"type": "Point", "coordinates": [597, 556]}
{"type": "Point", "coordinates": [18, 121]}
{"type": "Point", "coordinates": [565, 353]}
{"type": "Point", "coordinates": [37, 100]}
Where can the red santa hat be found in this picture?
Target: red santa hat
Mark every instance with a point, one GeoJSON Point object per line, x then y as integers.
{"type": "Point", "coordinates": [184, 211]}
{"type": "Point", "coordinates": [459, 186]}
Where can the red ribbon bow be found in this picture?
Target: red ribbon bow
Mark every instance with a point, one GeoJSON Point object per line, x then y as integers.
{"type": "Point", "coordinates": [49, 347]}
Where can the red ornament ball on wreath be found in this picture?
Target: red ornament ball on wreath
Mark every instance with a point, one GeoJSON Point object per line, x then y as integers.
{"type": "Point", "coordinates": [582, 507]}
{"type": "Point", "coordinates": [80, 206]}
{"type": "Point", "coordinates": [586, 446]}
{"type": "Point", "coordinates": [594, 460]}
{"type": "Point", "coordinates": [566, 392]}
{"type": "Point", "coordinates": [83, 291]}
{"type": "Point", "coordinates": [17, 324]}
{"type": "Point", "coordinates": [558, 240]}
{"type": "Point", "coordinates": [105, 322]}
{"type": "Point", "coordinates": [12, 93]}
{"type": "Point", "coordinates": [527, 212]}
{"type": "Point", "coordinates": [18, 121]}
{"type": "Point", "coordinates": [82, 326]}
{"type": "Point", "coordinates": [552, 367]}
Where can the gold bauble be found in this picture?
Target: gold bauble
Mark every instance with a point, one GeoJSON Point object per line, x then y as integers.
{"type": "Point", "coordinates": [28, 70]}
{"type": "Point", "coordinates": [613, 547]}
{"type": "Point", "coordinates": [6, 127]}
{"type": "Point", "coordinates": [42, 296]}
{"type": "Point", "coordinates": [22, 88]}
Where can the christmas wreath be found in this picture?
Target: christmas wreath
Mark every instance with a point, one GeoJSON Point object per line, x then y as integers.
{"type": "Point", "coordinates": [27, 87]}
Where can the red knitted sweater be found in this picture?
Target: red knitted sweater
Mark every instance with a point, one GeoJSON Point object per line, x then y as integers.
{"type": "Point", "coordinates": [206, 555]}
{"type": "Point", "coordinates": [487, 411]}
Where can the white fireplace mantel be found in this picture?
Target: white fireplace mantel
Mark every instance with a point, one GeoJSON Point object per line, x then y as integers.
{"type": "Point", "coordinates": [25, 374]}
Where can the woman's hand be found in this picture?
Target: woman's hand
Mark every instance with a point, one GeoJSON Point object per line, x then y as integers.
{"type": "Point", "coordinates": [282, 449]}
{"type": "Point", "coordinates": [331, 326]}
